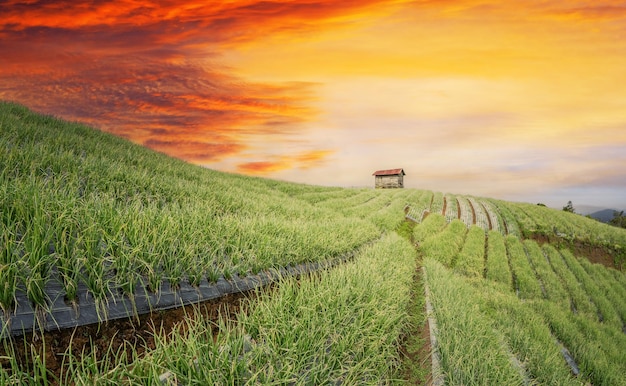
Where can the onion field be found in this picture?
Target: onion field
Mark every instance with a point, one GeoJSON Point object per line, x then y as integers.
{"type": "Point", "coordinates": [516, 312]}
{"type": "Point", "coordinates": [95, 229]}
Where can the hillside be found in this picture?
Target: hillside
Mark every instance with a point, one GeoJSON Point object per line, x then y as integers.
{"type": "Point", "coordinates": [94, 225]}
{"type": "Point", "coordinates": [604, 215]}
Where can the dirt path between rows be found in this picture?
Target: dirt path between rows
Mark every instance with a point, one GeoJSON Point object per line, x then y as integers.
{"type": "Point", "coordinates": [473, 212]}
{"type": "Point", "coordinates": [415, 348]}
{"type": "Point", "coordinates": [487, 215]}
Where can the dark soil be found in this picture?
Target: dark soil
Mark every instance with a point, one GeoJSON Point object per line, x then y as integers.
{"type": "Point", "coordinates": [415, 346]}
{"type": "Point", "coordinates": [416, 354]}
{"type": "Point", "coordinates": [594, 253]}
{"type": "Point", "coordinates": [487, 214]}
{"type": "Point", "coordinates": [473, 212]}
{"type": "Point", "coordinates": [137, 333]}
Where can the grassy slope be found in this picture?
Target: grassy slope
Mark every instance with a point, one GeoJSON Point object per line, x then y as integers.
{"type": "Point", "coordinates": [95, 206]}
{"type": "Point", "coordinates": [107, 213]}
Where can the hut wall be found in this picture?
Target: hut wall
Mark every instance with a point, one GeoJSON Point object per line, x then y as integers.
{"type": "Point", "coordinates": [392, 181]}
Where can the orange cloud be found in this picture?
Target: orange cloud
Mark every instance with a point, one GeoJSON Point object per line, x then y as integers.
{"type": "Point", "coordinates": [304, 160]}
{"type": "Point", "coordinates": [198, 152]}
{"type": "Point", "coordinates": [227, 21]}
{"type": "Point", "coordinates": [262, 167]}
{"type": "Point", "coordinates": [312, 158]}
{"type": "Point", "coordinates": [253, 85]}
{"type": "Point", "coordinates": [148, 71]}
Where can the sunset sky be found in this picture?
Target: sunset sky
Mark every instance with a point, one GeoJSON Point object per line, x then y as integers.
{"type": "Point", "coordinates": [517, 100]}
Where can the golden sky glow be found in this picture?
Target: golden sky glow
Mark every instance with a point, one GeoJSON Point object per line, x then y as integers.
{"type": "Point", "coordinates": [518, 100]}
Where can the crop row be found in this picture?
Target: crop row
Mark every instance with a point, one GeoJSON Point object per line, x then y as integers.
{"type": "Point", "coordinates": [482, 220]}
{"type": "Point", "coordinates": [471, 259]}
{"type": "Point", "coordinates": [536, 219]}
{"type": "Point", "coordinates": [488, 335]}
{"type": "Point", "coordinates": [437, 203]}
{"type": "Point", "coordinates": [479, 346]}
{"type": "Point", "coordinates": [467, 214]}
{"type": "Point", "coordinates": [509, 220]}
{"type": "Point", "coordinates": [84, 208]}
{"type": "Point", "coordinates": [497, 265]}
{"type": "Point", "coordinates": [597, 348]}
{"type": "Point", "coordinates": [495, 220]}
{"type": "Point", "coordinates": [307, 331]}
{"type": "Point", "coordinates": [385, 209]}
{"type": "Point", "coordinates": [106, 246]}
{"type": "Point", "coordinates": [431, 226]}
{"type": "Point", "coordinates": [420, 205]}
{"type": "Point", "coordinates": [470, 210]}
{"type": "Point", "coordinates": [529, 270]}
{"type": "Point", "coordinates": [452, 207]}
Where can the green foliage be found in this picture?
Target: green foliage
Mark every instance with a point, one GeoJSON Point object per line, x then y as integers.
{"type": "Point", "coordinates": [619, 219]}
{"type": "Point", "coordinates": [109, 214]}
{"type": "Point", "coordinates": [436, 206]}
{"type": "Point", "coordinates": [509, 219]}
{"type": "Point", "coordinates": [569, 207]}
{"type": "Point", "coordinates": [86, 208]}
{"type": "Point", "coordinates": [612, 286]}
{"type": "Point", "coordinates": [592, 287]}
{"type": "Point", "coordinates": [497, 261]}
{"type": "Point", "coordinates": [538, 220]}
{"type": "Point", "coordinates": [430, 226]}
{"type": "Point", "coordinates": [405, 229]}
{"type": "Point", "coordinates": [527, 334]}
{"type": "Point", "coordinates": [471, 259]}
{"type": "Point", "coordinates": [580, 299]}
{"type": "Point", "coordinates": [307, 331]}
{"type": "Point", "coordinates": [470, 351]}
{"type": "Point", "coordinates": [452, 207]}
{"type": "Point", "coordinates": [598, 350]}
{"type": "Point", "coordinates": [526, 282]}
{"type": "Point", "coordinates": [444, 246]}
{"type": "Point", "coordinates": [551, 283]}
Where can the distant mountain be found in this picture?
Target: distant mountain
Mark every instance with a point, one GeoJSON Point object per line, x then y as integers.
{"type": "Point", "coordinates": [588, 209]}
{"type": "Point", "coordinates": [604, 215]}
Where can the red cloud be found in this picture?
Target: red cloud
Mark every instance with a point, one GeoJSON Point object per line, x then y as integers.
{"type": "Point", "coordinates": [176, 109]}
{"type": "Point", "coordinates": [148, 71]}
{"type": "Point", "coordinates": [197, 152]}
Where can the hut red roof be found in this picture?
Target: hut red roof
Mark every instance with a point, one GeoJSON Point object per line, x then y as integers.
{"type": "Point", "coordinates": [389, 172]}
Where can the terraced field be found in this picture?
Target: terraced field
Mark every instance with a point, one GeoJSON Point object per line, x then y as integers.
{"type": "Point", "coordinates": [97, 231]}
{"type": "Point", "coordinates": [510, 311]}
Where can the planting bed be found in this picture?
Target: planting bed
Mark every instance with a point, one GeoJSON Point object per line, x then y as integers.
{"type": "Point", "coordinates": [302, 331]}
{"type": "Point", "coordinates": [131, 325]}
{"type": "Point", "coordinates": [88, 310]}
{"type": "Point", "coordinates": [549, 317]}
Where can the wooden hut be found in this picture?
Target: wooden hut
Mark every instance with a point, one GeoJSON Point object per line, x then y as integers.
{"type": "Point", "coordinates": [389, 179]}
